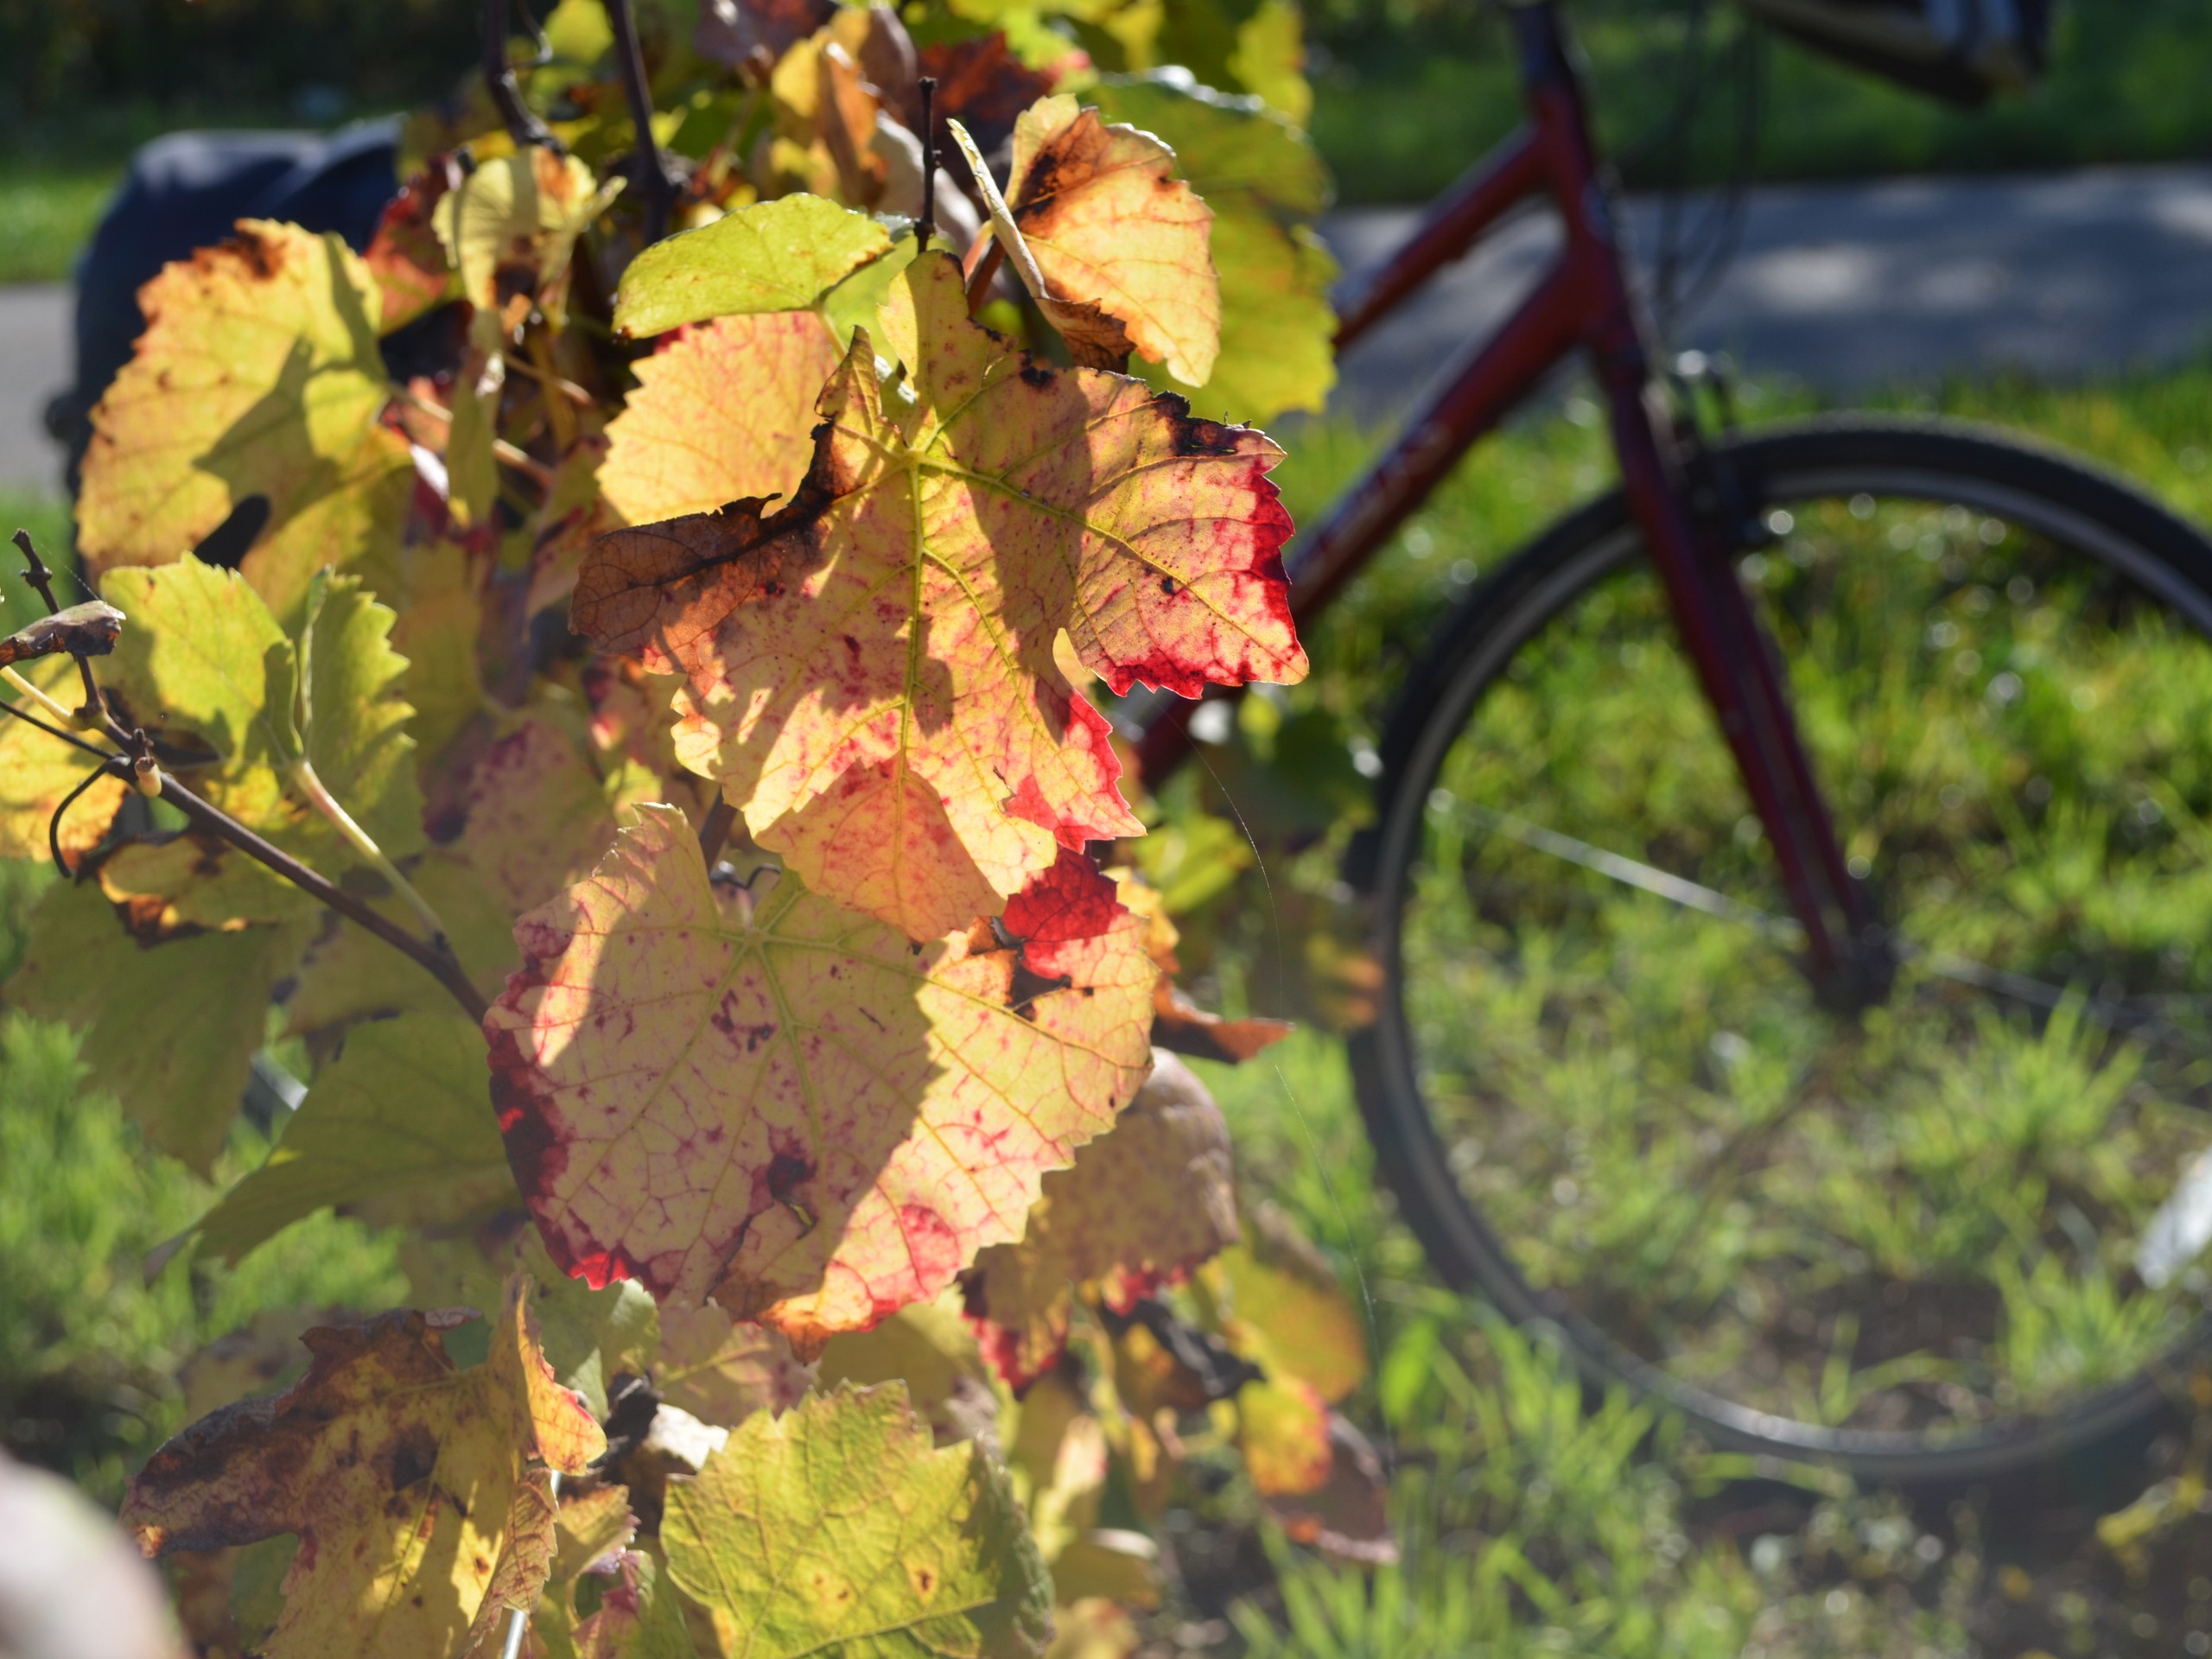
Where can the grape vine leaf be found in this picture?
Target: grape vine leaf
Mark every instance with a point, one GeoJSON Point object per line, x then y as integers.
{"type": "Point", "coordinates": [258, 375]}
{"type": "Point", "coordinates": [1264, 182]}
{"type": "Point", "coordinates": [206, 662]}
{"type": "Point", "coordinates": [37, 773]}
{"type": "Point", "coordinates": [928, 1349]}
{"type": "Point", "coordinates": [838, 1529]}
{"type": "Point", "coordinates": [412, 269]}
{"type": "Point", "coordinates": [783, 255]}
{"type": "Point", "coordinates": [397, 1129]}
{"type": "Point", "coordinates": [169, 1030]}
{"type": "Point", "coordinates": [190, 884]}
{"type": "Point", "coordinates": [510, 227]}
{"type": "Point", "coordinates": [1282, 1428]}
{"type": "Point", "coordinates": [721, 1371]}
{"type": "Point", "coordinates": [587, 1336]}
{"type": "Point", "coordinates": [350, 975]}
{"type": "Point", "coordinates": [638, 1616]}
{"type": "Point", "coordinates": [934, 554]}
{"type": "Point", "coordinates": [1143, 1203]}
{"type": "Point", "coordinates": [538, 816]}
{"type": "Point", "coordinates": [1100, 207]}
{"type": "Point", "coordinates": [723, 410]}
{"type": "Point", "coordinates": [790, 1107]}
{"type": "Point", "coordinates": [1285, 1308]}
{"type": "Point", "coordinates": [981, 84]}
{"type": "Point", "coordinates": [404, 1478]}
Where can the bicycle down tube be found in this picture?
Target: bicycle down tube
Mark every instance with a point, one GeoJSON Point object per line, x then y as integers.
{"type": "Point", "coordinates": [1586, 300]}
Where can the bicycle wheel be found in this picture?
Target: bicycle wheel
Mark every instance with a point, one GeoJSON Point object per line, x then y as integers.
{"type": "Point", "coordinates": [1944, 1239]}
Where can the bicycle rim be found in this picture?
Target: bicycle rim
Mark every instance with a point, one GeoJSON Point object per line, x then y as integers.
{"type": "Point", "coordinates": [1540, 1090]}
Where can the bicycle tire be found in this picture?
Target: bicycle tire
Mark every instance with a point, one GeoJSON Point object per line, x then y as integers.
{"type": "Point", "coordinates": [2096, 514]}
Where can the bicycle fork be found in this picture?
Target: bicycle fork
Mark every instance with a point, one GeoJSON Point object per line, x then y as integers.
{"type": "Point", "coordinates": [1742, 676]}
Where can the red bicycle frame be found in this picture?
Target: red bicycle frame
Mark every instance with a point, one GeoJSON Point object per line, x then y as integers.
{"type": "Point", "coordinates": [1587, 301]}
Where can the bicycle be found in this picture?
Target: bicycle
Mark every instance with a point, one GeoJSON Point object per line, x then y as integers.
{"type": "Point", "coordinates": [1804, 833]}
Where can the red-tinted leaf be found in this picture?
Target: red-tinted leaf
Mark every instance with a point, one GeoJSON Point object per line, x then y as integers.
{"type": "Point", "coordinates": [790, 1107]}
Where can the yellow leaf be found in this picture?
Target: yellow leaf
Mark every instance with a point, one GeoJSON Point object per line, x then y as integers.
{"type": "Point", "coordinates": [258, 375]}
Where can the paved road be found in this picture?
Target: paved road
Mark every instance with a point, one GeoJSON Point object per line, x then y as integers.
{"type": "Point", "coordinates": [1846, 286]}
{"type": "Point", "coordinates": [1840, 286]}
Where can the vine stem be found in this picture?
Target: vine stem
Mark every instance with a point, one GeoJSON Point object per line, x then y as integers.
{"type": "Point", "coordinates": [435, 956]}
{"type": "Point", "coordinates": [653, 178]}
{"type": "Point", "coordinates": [714, 834]}
{"type": "Point", "coordinates": [39, 698]}
{"type": "Point", "coordinates": [524, 127]}
{"type": "Point", "coordinates": [925, 227]}
{"type": "Point", "coordinates": [304, 774]}
{"type": "Point", "coordinates": [212, 820]}
{"type": "Point", "coordinates": [41, 579]}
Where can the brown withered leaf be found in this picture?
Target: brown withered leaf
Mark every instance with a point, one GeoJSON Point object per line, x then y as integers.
{"type": "Point", "coordinates": [981, 84]}
{"type": "Point", "coordinates": [87, 630]}
{"type": "Point", "coordinates": [734, 31]}
{"type": "Point", "coordinates": [406, 1480]}
{"type": "Point", "coordinates": [1182, 1026]}
{"type": "Point", "coordinates": [1144, 1202]}
{"type": "Point", "coordinates": [1347, 1516]}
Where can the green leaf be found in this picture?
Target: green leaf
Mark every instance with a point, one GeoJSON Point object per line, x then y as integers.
{"type": "Point", "coordinates": [203, 656]}
{"type": "Point", "coordinates": [835, 1530]}
{"type": "Point", "coordinates": [399, 1128]}
{"type": "Point", "coordinates": [169, 1030]}
{"type": "Point", "coordinates": [1223, 145]}
{"type": "Point", "coordinates": [777, 255]}
{"type": "Point", "coordinates": [356, 718]}
{"type": "Point", "coordinates": [204, 661]}
{"type": "Point", "coordinates": [1277, 327]}
{"type": "Point", "coordinates": [351, 974]}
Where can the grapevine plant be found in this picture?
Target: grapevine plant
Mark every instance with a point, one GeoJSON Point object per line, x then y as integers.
{"type": "Point", "coordinates": [613, 677]}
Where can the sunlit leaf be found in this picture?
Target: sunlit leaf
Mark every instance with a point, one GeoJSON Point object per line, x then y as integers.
{"type": "Point", "coordinates": [37, 772]}
{"type": "Point", "coordinates": [538, 816]}
{"type": "Point", "coordinates": [934, 556]}
{"type": "Point", "coordinates": [191, 883]}
{"type": "Point", "coordinates": [722, 411]}
{"type": "Point", "coordinates": [791, 1106]}
{"type": "Point", "coordinates": [776, 256]}
{"type": "Point", "coordinates": [1099, 210]}
{"type": "Point", "coordinates": [405, 1480]}
{"type": "Point", "coordinates": [1144, 1202]}
{"type": "Point", "coordinates": [399, 1130]}
{"type": "Point", "coordinates": [836, 1529]}
{"type": "Point", "coordinates": [1282, 1428]}
{"type": "Point", "coordinates": [510, 226]}
{"type": "Point", "coordinates": [1264, 182]}
{"type": "Point", "coordinates": [258, 375]}
{"type": "Point", "coordinates": [204, 662]}
{"type": "Point", "coordinates": [169, 1030]}
{"type": "Point", "coordinates": [1270, 59]}
{"type": "Point", "coordinates": [1287, 1310]}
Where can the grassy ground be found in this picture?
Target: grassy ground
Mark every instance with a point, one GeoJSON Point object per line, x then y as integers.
{"type": "Point", "coordinates": [1528, 1527]}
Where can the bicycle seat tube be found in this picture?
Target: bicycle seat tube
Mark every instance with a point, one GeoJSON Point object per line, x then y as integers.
{"type": "Point", "coordinates": [1737, 665]}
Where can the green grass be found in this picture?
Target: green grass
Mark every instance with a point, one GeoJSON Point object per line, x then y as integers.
{"type": "Point", "coordinates": [1402, 111]}
{"type": "Point", "coordinates": [1528, 1529]}
{"type": "Point", "coordinates": [45, 217]}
